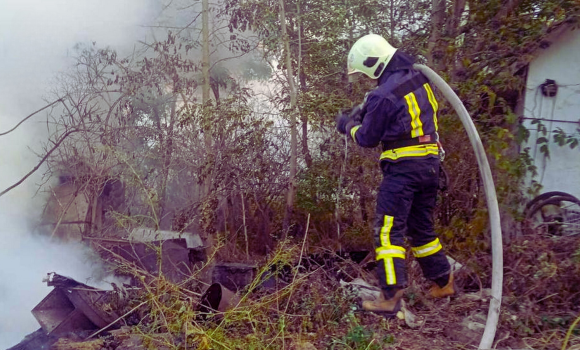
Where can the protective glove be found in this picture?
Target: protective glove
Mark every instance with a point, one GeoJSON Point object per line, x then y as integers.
{"type": "Point", "coordinates": [341, 120]}
{"type": "Point", "coordinates": [356, 114]}
{"type": "Point", "coordinates": [349, 118]}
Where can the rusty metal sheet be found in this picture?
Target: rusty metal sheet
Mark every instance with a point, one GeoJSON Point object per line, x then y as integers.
{"type": "Point", "coordinates": [218, 298]}
{"type": "Point", "coordinates": [233, 276]}
{"type": "Point", "coordinates": [175, 262]}
{"type": "Point", "coordinates": [72, 306]}
{"type": "Point", "coordinates": [145, 234]}
{"type": "Point", "coordinates": [56, 314]}
{"type": "Point", "coordinates": [92, 303]}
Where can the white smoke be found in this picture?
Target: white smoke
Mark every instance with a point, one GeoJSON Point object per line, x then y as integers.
{"type": "Point", "coordinates": [36, 36]}
{"type": "Point", "coordinates": [26, 260]}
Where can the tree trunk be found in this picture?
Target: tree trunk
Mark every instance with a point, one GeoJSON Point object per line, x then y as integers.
{"type": "Point", "coordinates": [303, 117]}
{"type": "Point", "coordinates": [244, 224]}
{"type": "Point", "coordinates": [435, 51]}
{"type": "Point", "coordinates": [454, 20]}
{"type": "Point", "coordinates": [293, 132]}
{"type": "Point", "coordinates": [453, 26]}
{"type": "Point", "coordinates": [167, 157]}
{"type": "Point", "coordinates": [507, 9]}
{"type": "Point", "coordinates": [304, 120]}
{"type": "Point", "coordinates": [205, 51]}
{"type": "Point", "coordinates": [206, 85]}
{"type": "Point", "coordinates": [392, 22]}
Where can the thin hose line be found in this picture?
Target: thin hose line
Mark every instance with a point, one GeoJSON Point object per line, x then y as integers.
{"type": "Point", "coordinates": [339, 191]}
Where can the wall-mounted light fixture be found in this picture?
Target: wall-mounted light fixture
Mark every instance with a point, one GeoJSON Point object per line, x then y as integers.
{"type": "Point", "coordinates": [549, 88]}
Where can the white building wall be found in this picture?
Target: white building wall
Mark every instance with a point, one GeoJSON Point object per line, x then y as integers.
{"type": "Point", "coordinates": [559, 62]}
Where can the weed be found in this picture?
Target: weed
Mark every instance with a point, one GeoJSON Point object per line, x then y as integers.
{"type": "Point", "coordinates": [360, 337]}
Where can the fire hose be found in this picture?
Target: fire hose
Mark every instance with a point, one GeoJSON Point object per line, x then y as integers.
{"type": "Point", "coordinates": [492, 205]}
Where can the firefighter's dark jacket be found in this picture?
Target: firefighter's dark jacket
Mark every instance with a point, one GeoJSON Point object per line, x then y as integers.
{"type": "Point", "coordinates": [400, 113]}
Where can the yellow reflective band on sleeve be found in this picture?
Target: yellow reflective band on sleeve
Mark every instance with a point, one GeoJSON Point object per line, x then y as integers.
{"type": "Point", "coordinates": [427, 249]}
{"type": "Point", "coordinates": [433, 102]}
{"type": "Point", "coordinates": [411, 151]}
{"type": "Point", "coordinates": [353, 131]}
{"type": "Point", "coordinates": [415, 113]}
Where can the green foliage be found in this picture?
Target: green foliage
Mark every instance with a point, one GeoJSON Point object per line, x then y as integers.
{"type": "Point", "coordinates": [563, 139]}
{"type": "Point", "coordinates": [576, 256]}
{"type": "Point", "coordinates": [359, 337]}
{"type": "Point", "coordinates": [316, 193]}
{"type": "Point", "coordinates": [543, 141]}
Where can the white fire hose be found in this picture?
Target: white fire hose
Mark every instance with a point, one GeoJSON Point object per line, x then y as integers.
{"type": "Point", "coordinates": [491, 197]}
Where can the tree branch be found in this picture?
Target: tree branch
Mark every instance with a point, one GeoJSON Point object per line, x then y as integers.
{"type": "Point", "coordinates": [56, 145]}
{"type": "Point", "coordinates": [25, 119]}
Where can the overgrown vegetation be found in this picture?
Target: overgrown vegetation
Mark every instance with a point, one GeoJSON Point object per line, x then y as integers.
{"type": "Point", "coordinates": [297, 302]}
{"type": "Point", "coordinates": [305, 305]}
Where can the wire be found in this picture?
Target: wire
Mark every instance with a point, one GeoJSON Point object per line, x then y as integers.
{"type": "Point", "coordinates": [559, 85]}
{"type": "Point", "coordinates": [538, 126]}
{"type": "Point", "coordinates": [551, 120]}
{"type": "Point", "coordinates": [545, 163]}
{"type": "Point", "coordinates": [567, 85]}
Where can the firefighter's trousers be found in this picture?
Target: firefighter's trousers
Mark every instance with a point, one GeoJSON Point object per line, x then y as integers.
{"type": "Point", "coordinates": [405, 204]}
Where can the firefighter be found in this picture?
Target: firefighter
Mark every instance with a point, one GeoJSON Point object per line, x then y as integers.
{"type": "Point", "coordinates": [401, 115]}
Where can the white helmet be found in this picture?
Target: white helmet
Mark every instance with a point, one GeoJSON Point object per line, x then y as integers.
{"type": "Point", "coordinates": [370, 55]}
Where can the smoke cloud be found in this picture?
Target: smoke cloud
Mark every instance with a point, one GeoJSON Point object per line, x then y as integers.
{"type": "Point", "coordinates": [26, 260]}
{"type": "Point", "coordinates": [36, 39]}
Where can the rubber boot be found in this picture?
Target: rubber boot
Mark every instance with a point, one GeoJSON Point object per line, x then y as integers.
{"type": "Point", "coordinates": [445, 291]}
{"type": "Point", "coordinates": [388, 307]}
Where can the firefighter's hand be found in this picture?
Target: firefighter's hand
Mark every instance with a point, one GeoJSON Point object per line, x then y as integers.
{"type": "Point", "coordinates": [341, 120]}
{"type": "Point", "coordinates": [356, 114]}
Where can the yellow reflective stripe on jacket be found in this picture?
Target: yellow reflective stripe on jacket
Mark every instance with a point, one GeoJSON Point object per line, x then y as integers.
{"type": "Point", "coordinates": [387, 252]}
{"type": "Point", "coordinates": [415, 113]}
{"type": "Point", "coordinates": [434, 104]}
{"type": "Point", "coordinates": [353, 131]}
{"type": "Point", "coordinates": [411, 151]}
{"type": "Point", "coordinates": [427, 249]}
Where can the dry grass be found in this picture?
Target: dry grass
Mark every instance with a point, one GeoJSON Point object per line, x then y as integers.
{"type": "Point", "coordinates": [309, 310]}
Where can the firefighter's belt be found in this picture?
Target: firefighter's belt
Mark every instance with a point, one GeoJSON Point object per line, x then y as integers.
{"type": "Point", "coordinates": [421, 140]}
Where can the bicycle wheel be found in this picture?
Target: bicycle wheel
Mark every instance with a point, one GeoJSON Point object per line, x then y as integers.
{"type": "Point", "coordinates": [547, 195]}
{"type": "Point", "coordinates": [559, 216]}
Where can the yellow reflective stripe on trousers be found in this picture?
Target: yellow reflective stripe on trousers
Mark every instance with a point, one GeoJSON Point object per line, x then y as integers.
{"type": "Point", "coordinates": [353, 131]}
{"type": "Point", "coordinates": [434, 104]}
{"type": "Point", "coordinates": [387, 252]}
{"type": "Point", "coordinates": [386, 231]}
{"type": "Point", "coordinates": [411, 151]}
{"type": "Point", "coordinates": [427, 249]}
{"type": "Point", "coordinates": [415, 113]}
{"type": "Point", "coordinates": [394, 252]}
